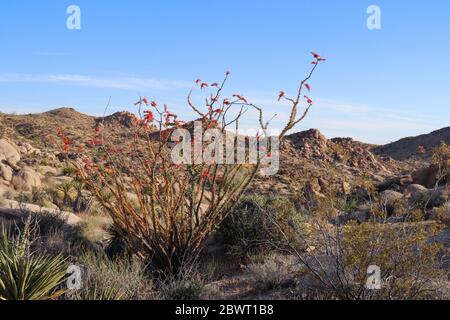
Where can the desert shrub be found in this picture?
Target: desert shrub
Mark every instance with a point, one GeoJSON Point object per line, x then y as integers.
{"type": "Point", "coordinates": [24, 197]}
{"type": "Point", "coordinates": [105, 279]}
{"type": "Point", "coordinates": [442, 214]}
{"type": "Point", "coordinates": [271, 271]}
{"type": "Point", "coordinates": [37, 196]}
{"type": "Point", "coordinates": [408, 260]}
{"type": "Point", "coordinates": [27, 275]}
{"type": "Point", "coordinates": [348, 204]}
{"type": "Point", "coordinates": [213, 268]}
{"type": "Point", "coordinates": [181, 288]}
{"type": "Point", "coordinates": [69, 170]}
{"type": "Point", "coordinates": [52, 235]}
{"type": "Point", "coordinates": [249, 228]}
{"type": "Point", "coordinates": [46, 222]}
{"type": "Point", "coordinates": [339, 255]}
{"type": "Point", "coordinates": [179, 204]}
{"type": "Point", "coordinates": [40, 197]}
{"type": "Point", "coordinates": [9, 195]}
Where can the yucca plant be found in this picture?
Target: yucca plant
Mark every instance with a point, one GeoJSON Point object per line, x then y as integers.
{"type": "Point", "coordinates": [25, 275]}
{"type": "Point", "coordinates": [66, 189]}
{"type": "Point", "coordinates": [81, 202]}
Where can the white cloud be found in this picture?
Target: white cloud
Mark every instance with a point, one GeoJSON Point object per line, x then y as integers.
{"type": "Point", "coordinates": [361, 122]}
{"type": "Point", "coordinates": [123, 83]}
{"type": "Point", "coordinates": [333, 118]}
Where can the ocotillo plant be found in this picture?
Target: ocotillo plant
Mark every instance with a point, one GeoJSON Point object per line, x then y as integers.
{"type": "Point", "coordinates": [166, 209]}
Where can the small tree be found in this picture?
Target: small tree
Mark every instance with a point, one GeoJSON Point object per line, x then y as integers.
{"type": "Point", "coordinates": [164, 210]}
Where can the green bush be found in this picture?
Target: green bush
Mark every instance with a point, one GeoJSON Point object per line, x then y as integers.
{"type": "Point", "coordinates": [260, 224]}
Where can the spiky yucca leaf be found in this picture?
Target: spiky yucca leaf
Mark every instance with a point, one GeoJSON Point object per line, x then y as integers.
{"type": "Point", "coordinates": [24, 275]}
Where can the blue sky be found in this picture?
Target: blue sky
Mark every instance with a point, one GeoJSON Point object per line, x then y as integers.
{"type": "Point", "coordinates": [377, 86]}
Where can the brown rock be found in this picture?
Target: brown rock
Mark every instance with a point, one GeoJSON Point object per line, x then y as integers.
{"type": "Point", "coordinates": [428, 176]}
{"type": "Point", "coordinates": [401, 181]}
{"type": "Point", "coordinates": [26, 179]}
{"type": "Point", "coordinates": [391, 199]}
{"type": "Point", "coordinates": [6, 172]}
{"type": "Point", "coordinates": [9, 152]}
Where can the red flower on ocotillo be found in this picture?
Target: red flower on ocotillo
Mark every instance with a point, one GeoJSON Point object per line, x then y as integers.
{"type": "Point", "coordinates": [309, 100]}
{"type": "Point", "coordinates": [240, 97]}
{"type": "Point", "coordinates": [308, 87]}
{"type": "Point", "coordinates": [148, 116]}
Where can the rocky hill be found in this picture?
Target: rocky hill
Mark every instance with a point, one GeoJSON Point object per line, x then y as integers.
{"type": "Point", "coordinates": [310, 158]}
{"type": "Point", "coordinates": [28, 147]}
{"type": "Point", "coordinates": [41, 129]}
{"type": "Point", "coordinates": [407, 148]}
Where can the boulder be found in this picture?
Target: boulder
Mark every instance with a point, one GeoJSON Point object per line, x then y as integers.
{"type": "Point", "coordinates": [417, 193]}
{"type": "Point", "coordinates": [416, 188]}
{"type": "Point", "coordinates": [390, 196]}
{"type": "Point", "coordinates": [26, 148]}
{"type": "Point", "coordinates": [401, 181]}
{"type": "Point", "coordinates": [9, 152]}
{"type": "Point", "coordinates": [47, 170]}
{"type": "Point", "coordinates": [25, 179]}
{"type": "Point", "coordinates": [428, 176]}
{"type": "Point", "coordinates": [390, 199]}
{"type": "Point", "coordinates": [16, 209]}
{"type": "Point", "coordinates": [6, 172]}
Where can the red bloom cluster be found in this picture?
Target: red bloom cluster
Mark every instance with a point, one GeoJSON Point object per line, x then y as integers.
{"type": "Point", "coordinates": [240, 97]}
{"type": "Point", "coordinates": [309, 100]}
{"type": "Point", "coordinates": [65, 140]}
{"type": "Point", "coordinates": [317, 57]}
{"type": "Point", "coordinates": [205, 174]}
{"type": "Point", "coordinates": [308, 87]}
{"type": "Point", "coordinates": [148, 116]}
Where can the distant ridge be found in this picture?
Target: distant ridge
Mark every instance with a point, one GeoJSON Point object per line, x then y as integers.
{"type": "Point", "coordinates": [35, 126]}
{"type": "Point", "coordinates": [407, 147]}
